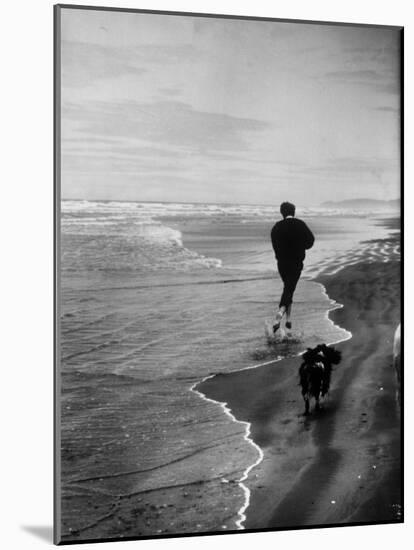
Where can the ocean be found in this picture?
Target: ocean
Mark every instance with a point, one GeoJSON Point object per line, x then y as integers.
{"type": "Point", "coordinates": [155, 297]}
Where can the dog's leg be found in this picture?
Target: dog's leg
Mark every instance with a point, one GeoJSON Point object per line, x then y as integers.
{"type": "Point", "coordinates": [317, 404]}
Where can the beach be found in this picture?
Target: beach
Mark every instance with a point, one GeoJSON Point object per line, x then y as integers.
{"type": "Point", "coordinates": [342, 464]}
{"type": "Point", "coordinates": [178, 416]}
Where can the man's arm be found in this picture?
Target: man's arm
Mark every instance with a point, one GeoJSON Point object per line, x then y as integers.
{"type": "Point", "coordinates": [308, 238]}
{"type": "Point", "coordinates": [273, 236]}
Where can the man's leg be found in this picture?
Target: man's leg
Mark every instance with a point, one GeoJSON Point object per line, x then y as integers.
{"type": "Point", "coordinates": [279, 317]}
{"type": "Point", "coordinates": [282, 303]}
{"type": "Point", "coordinates": [282, 307]}
{"type": "Point", "coordinates": [289, 273]}
{"type": "Point", "coordinates": [288, 314]}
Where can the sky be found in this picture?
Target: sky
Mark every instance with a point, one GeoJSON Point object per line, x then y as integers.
{"type": "Point", "coordinates": [193, 109]}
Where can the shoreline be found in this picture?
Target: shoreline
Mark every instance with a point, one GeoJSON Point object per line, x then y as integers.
{"type": "Point", "coordinates": [306, 475]}
{"type": "Point", "coordinates": [241, 513]}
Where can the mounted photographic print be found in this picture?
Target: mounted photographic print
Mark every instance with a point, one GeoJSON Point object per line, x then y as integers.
{"type": "Point", "coordinates": [228, 274]}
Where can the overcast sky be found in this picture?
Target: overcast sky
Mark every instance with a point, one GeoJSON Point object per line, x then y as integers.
{"type": "Point", "coordinates": [169, 108]}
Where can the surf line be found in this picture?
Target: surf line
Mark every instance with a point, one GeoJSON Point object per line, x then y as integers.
{"type": "Point", "coordinates": [247, 437]}
{"type": "Point", "coordinates": [335, 305]}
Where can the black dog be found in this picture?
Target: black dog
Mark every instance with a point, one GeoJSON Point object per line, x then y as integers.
{"type": "Point", "coordinates": [315, 373]}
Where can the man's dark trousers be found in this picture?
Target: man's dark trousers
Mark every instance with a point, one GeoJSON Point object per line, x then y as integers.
{"type": "Point", "coordinates": [289, 271]}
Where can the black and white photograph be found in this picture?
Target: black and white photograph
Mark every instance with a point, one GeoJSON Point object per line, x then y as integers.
{"type": "Point", "coordinates": [228, 211]}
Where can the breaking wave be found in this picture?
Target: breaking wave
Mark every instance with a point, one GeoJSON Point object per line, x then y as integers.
{"type": "Point", "coordinates": [123, 237]}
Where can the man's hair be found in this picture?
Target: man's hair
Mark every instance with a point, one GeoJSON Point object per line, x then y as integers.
{"type": "Point", "coordinates": [287, 209]}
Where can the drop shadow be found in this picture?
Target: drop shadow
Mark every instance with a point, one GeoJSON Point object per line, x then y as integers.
{"type": "Point", "coordinates": [43, 532]}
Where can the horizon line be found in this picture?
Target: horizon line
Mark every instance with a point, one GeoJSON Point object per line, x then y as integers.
{"type": "Point", "coordinates": [229, 203]}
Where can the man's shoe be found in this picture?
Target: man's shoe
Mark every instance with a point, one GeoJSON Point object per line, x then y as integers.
{"type": "Point", "coordinates": [276, 327]}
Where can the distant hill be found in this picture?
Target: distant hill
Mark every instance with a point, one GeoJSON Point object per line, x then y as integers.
{"type": "Point", "coordinates": [364, 204]}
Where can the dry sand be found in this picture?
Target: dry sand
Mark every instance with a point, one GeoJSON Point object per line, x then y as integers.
{"type": "Point", "coordinates": [342, 464]}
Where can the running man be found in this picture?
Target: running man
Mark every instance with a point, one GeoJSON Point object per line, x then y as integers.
{"type": "Point", "coordinates": [290, 238]}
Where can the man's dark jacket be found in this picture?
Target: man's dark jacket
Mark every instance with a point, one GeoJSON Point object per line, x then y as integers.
{"type": "Point", "coordinates": [290, 238]}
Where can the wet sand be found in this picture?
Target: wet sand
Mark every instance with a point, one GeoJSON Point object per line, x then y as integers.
{"type": "Point", "coordinates": [342, 464]}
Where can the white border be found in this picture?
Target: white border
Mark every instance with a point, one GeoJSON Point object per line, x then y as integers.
{"type": "Point", "coordinates": [26, 228]}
